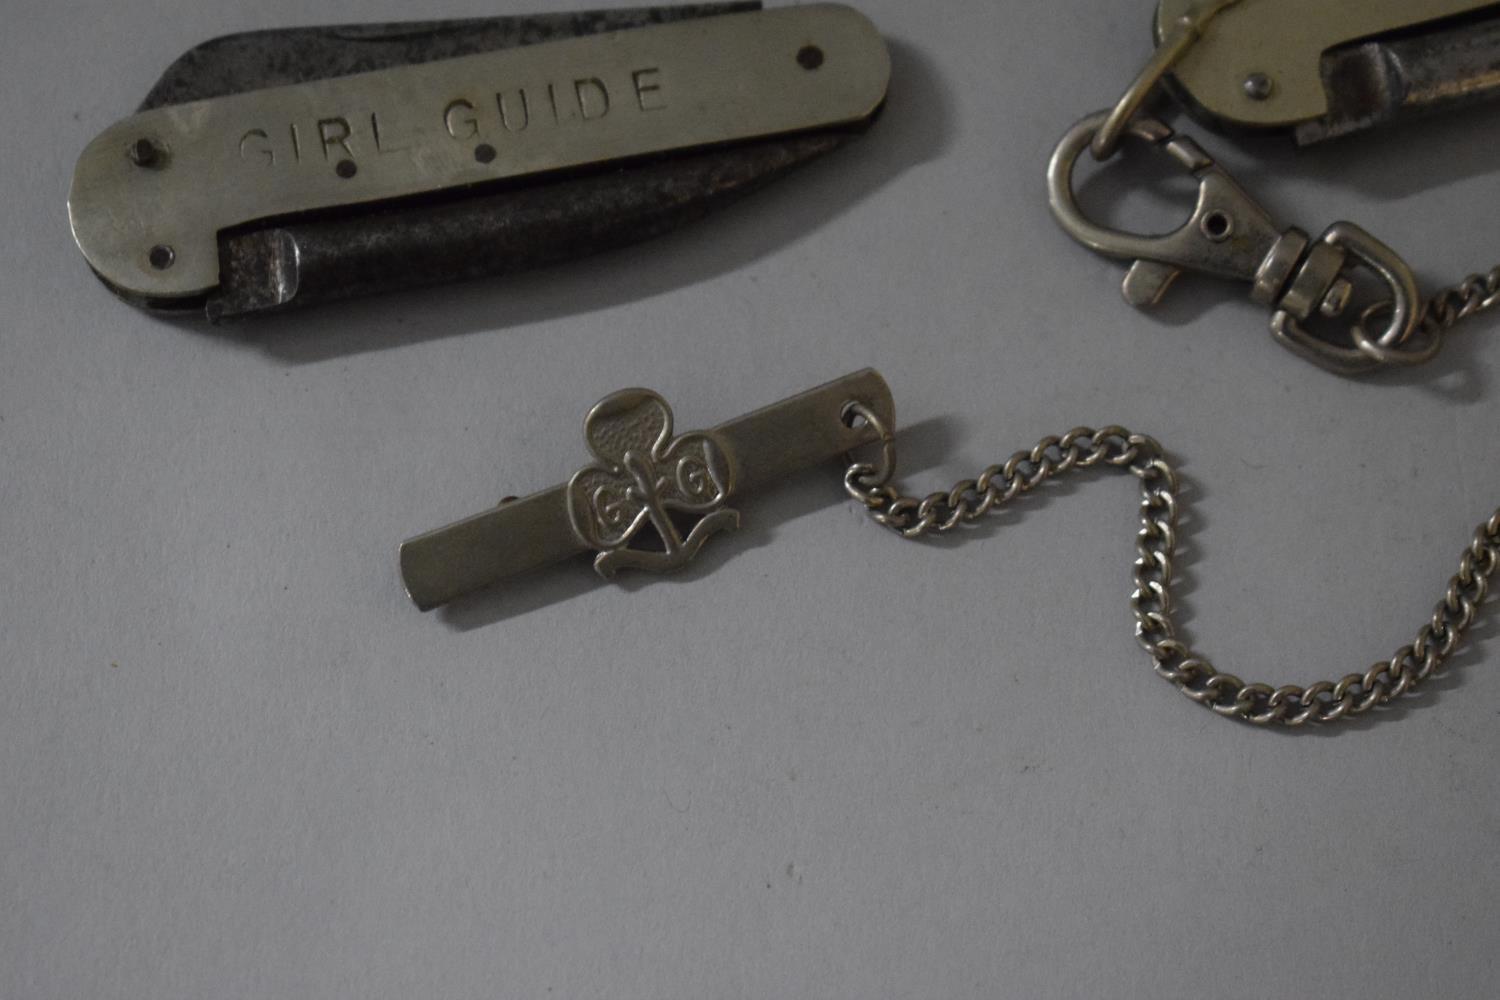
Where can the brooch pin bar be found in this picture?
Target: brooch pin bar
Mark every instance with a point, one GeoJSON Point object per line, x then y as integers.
{"type": "Point", "coordinates": [650, 498]}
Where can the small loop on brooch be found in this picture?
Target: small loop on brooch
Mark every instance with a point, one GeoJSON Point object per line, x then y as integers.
{"type": "Point", "coordinates": [865, 481]}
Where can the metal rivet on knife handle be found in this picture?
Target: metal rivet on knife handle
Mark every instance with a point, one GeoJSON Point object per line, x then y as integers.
{"type": "Point", "coordinates": [1322, 70]}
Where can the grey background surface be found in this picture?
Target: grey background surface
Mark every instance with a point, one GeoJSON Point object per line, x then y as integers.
{"type": "Point", "coordinates": [234, 761]}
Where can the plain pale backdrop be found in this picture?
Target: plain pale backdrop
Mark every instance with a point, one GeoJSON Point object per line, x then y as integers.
{"type": "Point", "coordinates": [235, 762]}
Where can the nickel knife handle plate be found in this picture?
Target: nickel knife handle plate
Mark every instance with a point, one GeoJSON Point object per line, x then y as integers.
{"type": "Point", "coordinates": [616, 127]}
{"type": "Point", "coordinates": [1320, 70]}
{"type": "Point", "coordinates": [650, 498]}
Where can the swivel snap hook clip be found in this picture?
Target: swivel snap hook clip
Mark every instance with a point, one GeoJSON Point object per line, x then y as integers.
{"type": "Point", "coordinates": [1229, 235]}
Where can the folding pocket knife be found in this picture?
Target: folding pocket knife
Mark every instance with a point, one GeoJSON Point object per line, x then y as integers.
{"type": "Point", "coordinates": [1330, 67]}
{"type": "Point", "coordinates": [280, 168]}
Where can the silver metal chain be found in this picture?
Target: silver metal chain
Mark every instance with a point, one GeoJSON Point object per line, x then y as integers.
{"type": "Point", "coordinates": [1454, 304]}
{"type": "Point", "coordinates": [1082, 448]}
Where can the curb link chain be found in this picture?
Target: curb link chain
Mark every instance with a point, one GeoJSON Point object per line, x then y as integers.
{"type": "Point", "coordinates": [1156, 547]}
{"type": "Point", "coordinates": [1452, 305]}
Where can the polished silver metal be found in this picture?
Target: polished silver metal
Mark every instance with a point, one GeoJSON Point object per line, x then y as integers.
{"type": "Point", "coordinates": [1151, 601]}
{"type": "Point", "coordinates": [642, 475]}
{"type": "Point", "coordinates": [1229, 235]}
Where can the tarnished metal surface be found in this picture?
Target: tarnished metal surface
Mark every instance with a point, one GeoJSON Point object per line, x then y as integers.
{"type": "Point", "coordinates": [497, 227]}
{"type": "Point", "coordinates": [1261, 65]}
{"type": "Point", "coordinates": [1373, 83]}
{"type": "Point", "coordinates": [428, 243]}
{"type": "Point", "coordinates": [605, 506]}
{"type": "Point", "coordinates": [152, 228]}
{"type": "Point", "coordinates": [255, 60]}
{"type": "Point", "coordinates": [1231, 236]}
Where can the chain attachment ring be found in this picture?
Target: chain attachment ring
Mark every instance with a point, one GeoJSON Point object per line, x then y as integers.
{"type": "Point", "coordinates": [863, 481]}
{"type": "Point", "coordinates": [1442, 312]}
{"type": "Point", "coordinates": [1188, 29]}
